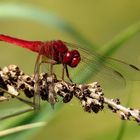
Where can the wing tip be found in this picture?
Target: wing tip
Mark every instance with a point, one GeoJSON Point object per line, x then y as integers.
{"type": "Point", "coordinates": [134, 67]}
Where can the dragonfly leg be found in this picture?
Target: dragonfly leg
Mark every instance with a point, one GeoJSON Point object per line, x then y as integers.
{"type": "Point", "coordinates": [63, 72]}
{"type": "Point", "coordinates": [52, 95]}
{"type": "Point", "coordinates": [36, 98]}
{"type": "Point", "coordinates": [51, 69]}
{"type": "Point", "coordinates": [51, 62]}
{"type": "Point", "coordinates": [67, 73]}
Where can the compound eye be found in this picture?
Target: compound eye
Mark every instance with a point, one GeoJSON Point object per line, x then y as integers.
{"type": "Point", "coordinates": [75, 61]}
{"type": "Point", "coordinates": [67, 58]}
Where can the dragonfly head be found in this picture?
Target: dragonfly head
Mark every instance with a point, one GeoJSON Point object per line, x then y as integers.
{"type": "Point", "coordinates": [72, 58]}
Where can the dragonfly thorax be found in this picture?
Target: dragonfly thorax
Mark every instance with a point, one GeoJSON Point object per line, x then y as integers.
{"type": "Point", "coordinates": [59, 51]}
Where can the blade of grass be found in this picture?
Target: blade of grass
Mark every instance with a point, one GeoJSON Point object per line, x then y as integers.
{"type": "Point", "coordinates": [118, 41]}
{"type": "Point", "coordinates": [121, 132]}
{"type": "Point", "coordinates": [21, 128]}
{"type": "Point", "coordinates": [46, 114]}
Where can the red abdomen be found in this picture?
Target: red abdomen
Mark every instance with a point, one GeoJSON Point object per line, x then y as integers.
{"type": "Point", "coordinates": [31, 45]}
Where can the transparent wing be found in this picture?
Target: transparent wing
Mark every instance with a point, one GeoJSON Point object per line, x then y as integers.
{"type": "Point", "coordinates": [36, 99]}
{"type": "Point", "coordinates": [106, 70]}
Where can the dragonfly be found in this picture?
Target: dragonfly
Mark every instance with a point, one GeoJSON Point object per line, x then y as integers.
{"type": "Point", "coordinates": [70, 55]}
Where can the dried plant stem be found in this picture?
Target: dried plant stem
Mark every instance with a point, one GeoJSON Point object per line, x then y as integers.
{"type": "Point", "coordinates": [13, 80]}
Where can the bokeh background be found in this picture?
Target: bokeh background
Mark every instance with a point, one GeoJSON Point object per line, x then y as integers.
{"type": "Point", "coordinates": [90, 23]}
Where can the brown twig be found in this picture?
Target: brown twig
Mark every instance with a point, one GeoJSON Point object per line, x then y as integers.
{"type": "Point", "coordinates": [91, 96]}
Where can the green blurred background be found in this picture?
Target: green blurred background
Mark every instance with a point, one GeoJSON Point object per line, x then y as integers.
{"type": "Point", "coordinates": [91, 22]}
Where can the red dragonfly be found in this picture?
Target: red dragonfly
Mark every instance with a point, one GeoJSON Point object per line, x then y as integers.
{"type": "Point", "coordinates": [68, 54]}
{"type": "Point", "coordinates": [56, 52]}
